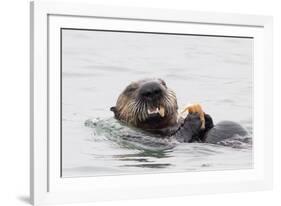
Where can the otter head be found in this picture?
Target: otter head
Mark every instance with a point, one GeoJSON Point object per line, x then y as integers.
{"type": "Point", "coordinates": [148, 104]}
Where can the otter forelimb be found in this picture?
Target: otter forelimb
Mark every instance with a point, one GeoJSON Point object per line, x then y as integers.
{"type": "Point", "coordinates": [190, 129]}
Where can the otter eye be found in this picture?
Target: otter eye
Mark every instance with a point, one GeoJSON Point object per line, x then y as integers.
{"type": "Point", "coordinates": [163, 82]}
{"type": "Point", "coordinates": [131, 88]}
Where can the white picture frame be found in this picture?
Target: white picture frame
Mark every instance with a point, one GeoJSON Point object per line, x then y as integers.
{"type": "Point", "coordinates": [47, 18]}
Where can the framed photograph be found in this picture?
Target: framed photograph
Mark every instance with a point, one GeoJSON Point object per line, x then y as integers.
{"type": "Point", "coordinates": [136, 103]}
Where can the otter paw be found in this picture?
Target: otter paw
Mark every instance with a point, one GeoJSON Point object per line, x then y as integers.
{"type": "Point", "coordinates": [196, 108]}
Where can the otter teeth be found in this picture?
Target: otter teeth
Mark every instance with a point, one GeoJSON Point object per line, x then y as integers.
{"type": "Point", "coordinates": [160, 111]}
{"type": "Point", "coordinates": [151, 111]}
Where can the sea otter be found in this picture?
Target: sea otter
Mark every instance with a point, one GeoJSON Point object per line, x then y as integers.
{"type": "Point", "coordinates": [150, 105]}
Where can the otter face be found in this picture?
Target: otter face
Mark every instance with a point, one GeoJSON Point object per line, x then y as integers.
{"type": "Point", "coordinates": [147, 104]}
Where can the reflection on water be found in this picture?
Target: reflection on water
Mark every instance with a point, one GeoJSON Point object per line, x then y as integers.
{"type": "Point", "coordinates": [214, 71]}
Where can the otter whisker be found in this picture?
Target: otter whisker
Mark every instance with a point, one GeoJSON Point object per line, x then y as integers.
{"type": "Point", "coordinates": [139, 110]}
{"type": "Point", "coordinates": [130, 109]}
{"type": "Point", "coordinates": [143, 112]}
{"type": "Point", "coordinates": [168, 104]}
{"type": "Point", "coordinates": [171, 92]}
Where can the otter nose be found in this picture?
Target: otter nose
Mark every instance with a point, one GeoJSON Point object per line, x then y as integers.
{"type": "Point", "coordinates": [151, 90]}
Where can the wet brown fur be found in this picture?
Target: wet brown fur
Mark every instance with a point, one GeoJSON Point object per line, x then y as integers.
{"type": "Point", "coordinates": [129, 109]}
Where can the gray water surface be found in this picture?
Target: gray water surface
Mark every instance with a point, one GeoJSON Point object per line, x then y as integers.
{"type": "Point", "coordinates": [96, 66]}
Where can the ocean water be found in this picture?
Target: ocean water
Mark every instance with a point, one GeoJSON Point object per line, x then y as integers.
{"type": "Point", "coordinates": [96, 66]}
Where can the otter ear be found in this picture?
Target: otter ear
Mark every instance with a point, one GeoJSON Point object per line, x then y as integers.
{"type": "Point", "coordinates": [113, 109]}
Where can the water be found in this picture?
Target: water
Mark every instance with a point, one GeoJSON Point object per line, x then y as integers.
{"type": "Point", "coordinates": [213, 71]}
